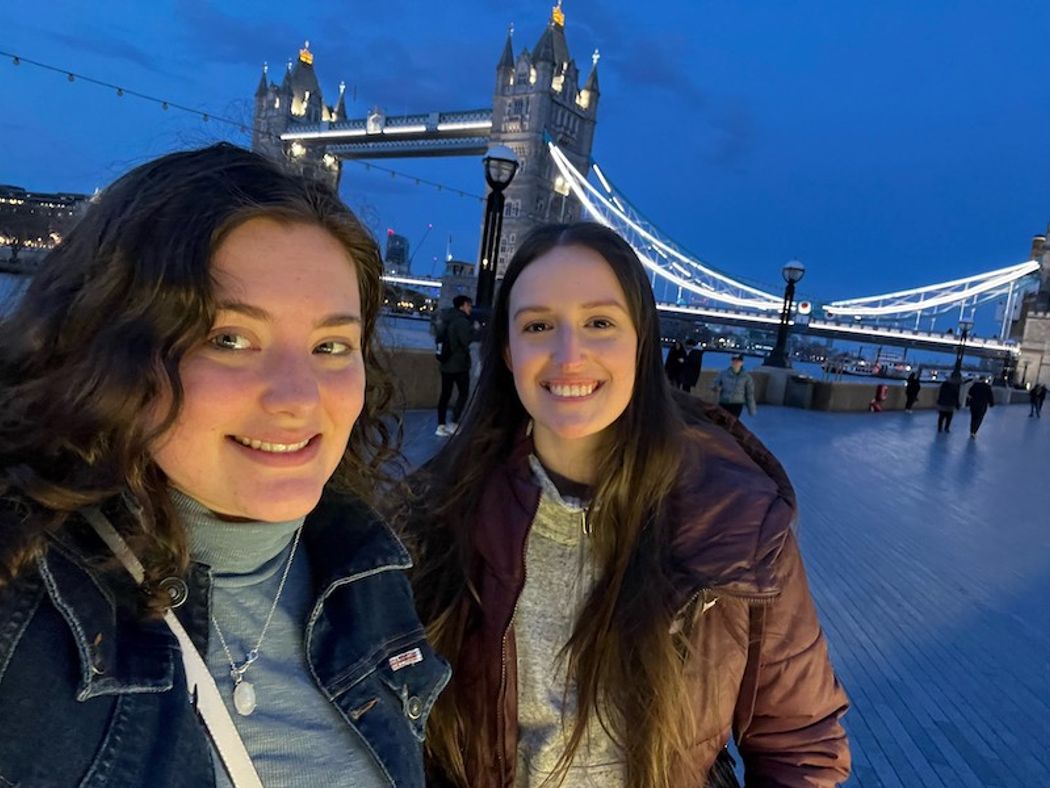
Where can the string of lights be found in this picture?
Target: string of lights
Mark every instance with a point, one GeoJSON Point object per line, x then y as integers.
{"type": "Point", "coordinates": [206, 117]}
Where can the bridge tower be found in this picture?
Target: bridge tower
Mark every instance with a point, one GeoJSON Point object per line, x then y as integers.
{"type": "Point", "coordinates": [538, 97]}
{"type": "Point", "coordinates": [1033, 327]}
{"type": "Point", "coordinates": [298, 99]}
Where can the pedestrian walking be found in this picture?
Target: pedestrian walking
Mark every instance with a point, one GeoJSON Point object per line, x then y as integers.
{"type": "Point", "coordinates": [189, 403]}
{"type": "Point", "coordinates": [911, 392]}
{"type": "Point", "coordinates": [664, 603]}
{"type": "Point", "coordinates": [675, 364]}
{"type": "Point", "coordinates": [694, 361]}
{"type": "Point", "coordinates": [948, 402]}
{"type": "Point", "coordinates": [979, 399]}
{"type": "Point", "coordinates": [454, 335]}
{"type": "Point", "coordinates": [735, 388]}
{"type": "Point", "coordinates": [1036, 397]}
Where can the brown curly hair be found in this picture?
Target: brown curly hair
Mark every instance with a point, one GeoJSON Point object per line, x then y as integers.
{"type": "Point", "coordinates": [99, 335]}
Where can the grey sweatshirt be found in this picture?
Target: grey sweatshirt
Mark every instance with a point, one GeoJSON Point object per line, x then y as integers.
{"type": "Point", "coordinates": [559, 574]}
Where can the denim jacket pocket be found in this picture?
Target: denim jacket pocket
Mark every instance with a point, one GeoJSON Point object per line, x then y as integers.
{"type": "Point", "coordinates": [389, 706]}
{"type": "Point", "coordinates": [416, 675]}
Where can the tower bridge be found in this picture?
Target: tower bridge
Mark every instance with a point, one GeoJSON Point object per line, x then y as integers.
{"type": "Point", "coordinates": [540, 111]}
{"type": "Point", "coordinates": [537, 95]}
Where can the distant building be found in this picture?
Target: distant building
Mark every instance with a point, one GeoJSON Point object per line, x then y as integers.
{"type": "Point", "coordinates": [35, 222]}
{"type": "Point", "coordinates": [397, 256]}
{"type": "Point", "coordinates": [31, 223]}
{"type": "Point", "coordinates": [460, 279]}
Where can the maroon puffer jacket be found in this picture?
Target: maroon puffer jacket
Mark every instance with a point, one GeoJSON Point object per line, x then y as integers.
{"type": "Point", "coordinates": [775, 689]}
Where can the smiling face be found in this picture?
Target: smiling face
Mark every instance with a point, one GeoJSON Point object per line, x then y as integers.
{"type": "Point", "coordinates": [572, 349]}
{"type": "Point", "coordinates": [272, 395]}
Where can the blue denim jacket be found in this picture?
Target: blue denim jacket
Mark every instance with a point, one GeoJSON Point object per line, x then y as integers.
{"type": "Point", "coordinates": [91, 695]}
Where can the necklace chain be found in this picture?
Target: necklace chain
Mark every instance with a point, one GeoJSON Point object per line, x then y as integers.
{"type": "Point", "coordinates": [237, 671]}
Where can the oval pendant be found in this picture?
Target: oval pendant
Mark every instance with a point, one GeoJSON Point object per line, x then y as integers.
{"type": "Point", "coordinates": [244, 698]}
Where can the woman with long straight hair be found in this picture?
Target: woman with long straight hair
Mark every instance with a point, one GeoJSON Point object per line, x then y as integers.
{"type": "Point", "coordinates": [194, 588]}
{"type": "Point", "coordinates": [618, 592]}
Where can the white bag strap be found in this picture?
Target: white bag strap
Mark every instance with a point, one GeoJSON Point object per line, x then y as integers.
{"type": "Point", "coordinates": [213, 711]}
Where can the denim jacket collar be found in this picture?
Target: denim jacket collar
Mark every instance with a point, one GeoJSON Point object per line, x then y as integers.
{"type": "Point", "coordinates": [120, 653]}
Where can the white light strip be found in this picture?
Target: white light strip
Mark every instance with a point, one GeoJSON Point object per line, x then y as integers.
{"type": "Point", "coordinates": [407, 280]}
{"type": "Point", "coordinates": [929, 303]}
{"type": "Point", "coordinates": [320, 135]}
{"type": "Point", "coordinates": [601, 178]}
{"type": "Point", "coordinates": [821, 327]}
{"type": "Point", "coordinates": [1013, 271]}
{"type": "Point", "coordinates": [620, 211]}
{"type": "Point", "coordinates": [580, 184]}
{"type": "Point", "coordinates": [699, 310]}
{"type": "Point", "coordinates": [692, 287]}
{"type": "Point", "coordinates": [418, 129]}
{"type": "Point", "coordinates": [463, 125]}
{"type": "Point", "coordinates": [985, 344]}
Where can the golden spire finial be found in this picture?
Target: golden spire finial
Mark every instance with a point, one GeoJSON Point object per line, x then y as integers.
{"type": "Point", "coordinates": [596, 57]}
{"type": "Point", "coordinates": [305, 55]}
{"type": "Point", "coordinates": [557, 15]}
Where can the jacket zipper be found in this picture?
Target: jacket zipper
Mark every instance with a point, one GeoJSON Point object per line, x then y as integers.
{"type": "Point", "coordinates": [756, 599]}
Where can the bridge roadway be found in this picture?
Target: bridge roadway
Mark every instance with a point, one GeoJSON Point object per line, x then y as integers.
{"type": "Point", "coordinates": [379, 136]}
{"type": "Point", "coordinates": [857, 332]}
{"type": "Point", "coordinates": [929, 558]}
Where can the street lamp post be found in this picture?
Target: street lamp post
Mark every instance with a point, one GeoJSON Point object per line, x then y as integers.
{"type": "Point", "coordinates": [964, 332]}
{"type": "Point", "coordinates": [500, 166]}
{"type": "Point", "coordinates": [792, 273]}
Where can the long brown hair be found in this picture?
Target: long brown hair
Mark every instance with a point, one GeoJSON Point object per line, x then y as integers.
{"type": "Point", "coordinates": [626, 667]}
{"type": "Point", "coordinates": [102, 328]}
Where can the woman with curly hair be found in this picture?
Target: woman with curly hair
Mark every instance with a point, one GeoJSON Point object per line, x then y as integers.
{"type": "Point", "coordinates": [194, 589]}
{"type": "Point", "coordinates": [614, 577]}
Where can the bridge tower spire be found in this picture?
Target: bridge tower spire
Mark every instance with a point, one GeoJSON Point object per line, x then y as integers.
{"type": "Point", "coordinates": [298, 100]}
{"type": "Point", "coordinates": [538, 98]}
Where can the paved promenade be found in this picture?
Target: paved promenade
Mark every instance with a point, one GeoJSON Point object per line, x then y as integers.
{"type": "Point", "coordinates": [929, 557]}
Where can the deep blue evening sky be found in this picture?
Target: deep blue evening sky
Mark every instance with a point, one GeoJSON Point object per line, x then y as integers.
{"type": "Point", "coordinates": [886, 144]}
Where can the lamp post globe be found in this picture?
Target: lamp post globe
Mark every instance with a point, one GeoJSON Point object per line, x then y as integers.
{"type": "Point", "coordinates": [793, 271]}
{"type": "Point", "coordinates": [501, 164]}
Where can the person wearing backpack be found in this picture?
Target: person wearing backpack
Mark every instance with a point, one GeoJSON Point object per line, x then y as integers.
{"type": "Point", "coordinates": [454, 335]}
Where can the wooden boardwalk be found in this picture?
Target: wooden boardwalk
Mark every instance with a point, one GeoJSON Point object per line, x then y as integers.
{"type": "Point", "coordinates": [929, 558]}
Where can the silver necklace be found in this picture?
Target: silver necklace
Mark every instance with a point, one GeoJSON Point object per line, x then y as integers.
{"type": "Point", "coordinates": [244, 691]}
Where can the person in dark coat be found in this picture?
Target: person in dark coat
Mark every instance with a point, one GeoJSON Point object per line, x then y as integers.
{"type": "Point", "coordinates": [694, 360]}
{"type": "Point", "coordinates": [979, 399]}
{"type": "Point", "coordinates": [675, 364]}
{"type": "Point", "coordinates": [948, 402]}
{"type": "Point", "coordinates": [457, 333]}
{"type": "Point", "coordinates": [911, 391]}
{"type": "Point", "coordinates": [1036, 396]}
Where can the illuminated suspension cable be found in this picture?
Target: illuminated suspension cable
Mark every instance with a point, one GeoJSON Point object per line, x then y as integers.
{"type": "Point", "coordinates": [581, 188]}
{"type": "Point", "coordinates": [627, 209]}
{"type": "Point", "coordinates": [616, 207]}
{"type": "Point", "coordinates": [987, 283]}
